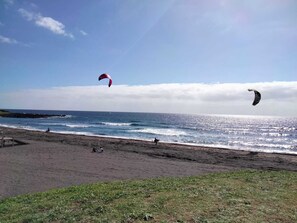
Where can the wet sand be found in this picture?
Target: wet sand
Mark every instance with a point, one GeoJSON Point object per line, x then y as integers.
{"type": "Point", "coordinates": [41, 161]}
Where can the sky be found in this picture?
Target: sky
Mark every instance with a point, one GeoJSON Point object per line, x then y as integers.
{"type": "Point", "coordinates": [177, 56]}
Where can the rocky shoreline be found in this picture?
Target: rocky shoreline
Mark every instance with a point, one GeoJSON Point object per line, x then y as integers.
{"type": "Point", "coordinates": [7, 114]}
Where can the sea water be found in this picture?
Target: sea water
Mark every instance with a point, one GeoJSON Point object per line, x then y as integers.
{"type": "Point", "coordinates": [254, 133]}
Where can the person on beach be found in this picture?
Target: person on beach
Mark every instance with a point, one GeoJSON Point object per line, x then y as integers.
{"type": "Point", "coordinates": [95, 150]}
{"type": "Point", "coordinates": [156, 141]}
{"type": "Point", "coordinates": [48, 130]}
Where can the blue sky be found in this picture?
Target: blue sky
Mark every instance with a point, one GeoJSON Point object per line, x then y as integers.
{"type": "Point", "coordinates": [49, 44]}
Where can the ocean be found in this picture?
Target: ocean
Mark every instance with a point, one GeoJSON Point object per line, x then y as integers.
{"type": "Point", "coordinates": [253, 133]}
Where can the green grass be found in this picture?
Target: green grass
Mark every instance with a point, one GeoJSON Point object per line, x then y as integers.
{"type": "Point", "coordinates": [4, 112]}
{"type": "Point", "coordinates": [244, 196]}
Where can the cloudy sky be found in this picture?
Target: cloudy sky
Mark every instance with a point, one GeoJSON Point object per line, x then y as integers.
{"type": "Point", "coordinates": [175, 56]}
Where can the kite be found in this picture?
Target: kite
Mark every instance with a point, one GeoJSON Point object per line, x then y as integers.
{"type": "Point", "coordinates": [257, 96]}
{"type": "Point", "coordinates": [103, 76]}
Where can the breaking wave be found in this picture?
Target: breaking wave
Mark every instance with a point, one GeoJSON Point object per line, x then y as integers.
{"type": "Point", "coordinates": [159, 131]}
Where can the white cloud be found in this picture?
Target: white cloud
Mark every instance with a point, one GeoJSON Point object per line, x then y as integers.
{"type": "Point", "coordinates": [8, 2]}
{"type": "Point", "coordinates": [53, 25]}
{"type": "Point", "coordinates": [83, 33]}
{"type": "Point", "coordinates": [7, 40]}
{"type": "Point", "coordinates": [26, 14]}
{"type": "Point", "coordinates": [46, 22]}
{"type": "Point", "coordinates": [278, 98]}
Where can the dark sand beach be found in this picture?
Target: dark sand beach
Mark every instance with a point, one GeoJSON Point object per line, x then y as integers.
{"type": "Point", "coordinates": [41, 161]}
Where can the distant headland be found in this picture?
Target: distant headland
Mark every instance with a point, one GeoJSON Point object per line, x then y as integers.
{"type": "Point", "coordinates": [8, 114]}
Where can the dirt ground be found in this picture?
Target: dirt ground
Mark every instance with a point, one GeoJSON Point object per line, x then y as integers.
{"type": "Point", "coordinates": [42, 161]}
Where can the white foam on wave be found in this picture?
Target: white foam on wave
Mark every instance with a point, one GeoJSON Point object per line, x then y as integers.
{"type": "Point", "coordinates": [51, 123]}
{"type": "Point", "coordinates": [116, 123]}
{"type": "Point", "coordinates": [75, 133]}
{"type": "Point", "coordinates": [70, 125]}
{"type": "Point", "coordinates": [59, 117]}
{"type": "Point", "coordinates": [259, 145]}
{"type": "Point", "coordinates": [7, 126]}
{"type": "Point", "coordinates": [20, 127]}
{"type": "Point", "coordinates": [79, 125]}
{"type": "Point", "coordinates": [158, 131]}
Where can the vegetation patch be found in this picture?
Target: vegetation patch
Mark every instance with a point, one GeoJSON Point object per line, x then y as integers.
{"type": "Point", "coordinates": [7, 114]}
{"type": "Point", "coordinates": [3, 112]}
{"type": "Point", "coordinates": [244, 196]}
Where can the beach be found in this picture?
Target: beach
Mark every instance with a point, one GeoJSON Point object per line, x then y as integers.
{"type": "Point", "coordinates": [40, 161]}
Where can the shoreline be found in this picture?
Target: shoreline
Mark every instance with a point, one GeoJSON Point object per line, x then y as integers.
{"type": "Point", "coordinates": [285, 152]}
{"type": "Point", "coordinates": [93, 140]}
{"type": "Point", "coordinates": [8, 114]}
{"type": "Point", "coordinates": [42, 161]}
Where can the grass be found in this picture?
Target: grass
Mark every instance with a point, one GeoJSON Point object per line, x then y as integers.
{"type": "Point", "coordinates": [4, 112]}
{"type": "Point", "coordinates": [244, 196]}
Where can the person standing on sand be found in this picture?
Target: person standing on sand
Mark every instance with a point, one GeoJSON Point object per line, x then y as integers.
{"type": "Point", "coordinates": [156, 141]}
